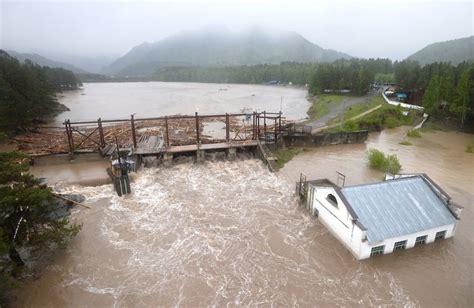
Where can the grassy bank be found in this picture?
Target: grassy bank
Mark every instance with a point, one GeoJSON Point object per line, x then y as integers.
{"type": "Point", "coordinates": [387, 116]}
{"type": "Point", "coordinates": [355, 110]}
{"type": "Point", "coordinates": [285, 155]}
{"type": "Point", "coordinates": [321, 105]}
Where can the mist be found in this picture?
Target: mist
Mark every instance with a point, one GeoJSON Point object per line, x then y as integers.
{"type": "Point", "coordinates": [109, 29]}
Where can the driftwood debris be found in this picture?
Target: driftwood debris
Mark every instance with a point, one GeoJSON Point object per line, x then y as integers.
{"type": "Point", "coordinates": [69, 200]}
{"type": "Point", "coordinates": [181, 131]}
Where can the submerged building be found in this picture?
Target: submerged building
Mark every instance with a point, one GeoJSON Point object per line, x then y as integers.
{"type": "Point", "coordinates": [373, 219]}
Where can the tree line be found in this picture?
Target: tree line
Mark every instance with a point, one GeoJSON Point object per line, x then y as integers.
{"type": "Point", "coordinates": [448, 89]}
{"type": "Point", "coordinates": [354, 74]}
{"type": "Point", "coordinates": [27, 91]}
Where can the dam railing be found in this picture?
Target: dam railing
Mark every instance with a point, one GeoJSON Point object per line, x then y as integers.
{"type": "Point", "coordinates": [169, 131]}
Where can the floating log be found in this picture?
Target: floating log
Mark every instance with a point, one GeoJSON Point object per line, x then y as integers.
{"type": "Point", "coordinates": [69, 200]}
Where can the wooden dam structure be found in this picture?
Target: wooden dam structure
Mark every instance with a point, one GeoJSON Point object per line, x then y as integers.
{"type": "Point", "coordinates": [131, 141]}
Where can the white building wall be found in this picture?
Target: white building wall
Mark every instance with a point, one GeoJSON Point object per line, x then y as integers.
{"type": "Point", "coordinates": [366, 247]}
{"type": "Point", "coordinates": [339, 222]}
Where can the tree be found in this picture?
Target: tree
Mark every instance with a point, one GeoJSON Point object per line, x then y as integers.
{"type": "Point", "coordinates": [461, 103]}
{"type": "Point", "coordinates": [432, 97]}
{"type": "Point", "coordinates": [28, 217]}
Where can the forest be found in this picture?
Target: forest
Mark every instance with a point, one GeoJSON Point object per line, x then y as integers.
{"type": "Point", "coordinates": [27, 92]}
{"type": "Point", "coordinates": [448, 89]}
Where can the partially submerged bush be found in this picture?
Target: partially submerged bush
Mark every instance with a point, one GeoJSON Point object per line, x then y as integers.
{"type": "Point", "coordinates": [470, 148]}
{"type": "Point", "coordinates": [376, 159]}
{"type": "Point", "coordinates": [386, 163]}
{"type": "Point", "coordinates": [414, 133]}
{"type": "Point", "coordinates": [392, 164]}
{"type": "Point", "coordinates": [405, 142]}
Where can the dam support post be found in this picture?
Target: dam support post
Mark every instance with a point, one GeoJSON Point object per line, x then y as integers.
{"type": "Point", "coordinates": [231, 153]}
{"type": "Point", "coordinates": [167, 159]}
{"type": "Point", "coordinates": [200, 156]}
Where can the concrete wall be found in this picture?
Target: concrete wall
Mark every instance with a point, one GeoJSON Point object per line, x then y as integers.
{"type": "Point", "coordinates": [327, 138]}
{"type": "Point", "coordinates": [395, 103]}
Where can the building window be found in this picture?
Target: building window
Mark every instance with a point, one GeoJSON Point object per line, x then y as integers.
{"type": "Point", "coordinates": [378, 250]}
{"type": "Point", "coordinates": [400, 245]}
{"type": "Point", "coordinates": [440, 235]}
{"type": "Point", "coordinates": [332, 200]}
{"type": "Point", "coordinates": [420, 240]}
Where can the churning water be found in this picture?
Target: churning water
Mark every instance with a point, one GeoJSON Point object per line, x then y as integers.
{"type": "Point", "coordinates": [232, 234]}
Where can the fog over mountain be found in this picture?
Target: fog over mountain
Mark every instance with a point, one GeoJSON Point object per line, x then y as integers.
{"type": "Point", "coordinates": [221, 48]}
{"type": "Point", "coordinates": [91, 29]}
{"type": "Point", "coordinates": [454, 51]}
{"type": "Point", "coordinates": [43, 61]}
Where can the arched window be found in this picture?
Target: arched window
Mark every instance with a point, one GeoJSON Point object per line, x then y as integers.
{"type": "Point", "coordinates": [332, 199]}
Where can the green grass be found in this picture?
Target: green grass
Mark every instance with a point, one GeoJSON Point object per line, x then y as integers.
{"type": "Point", "coordinates": [470, 148]}
{"type": "Point", "coordinates": [357, 109]}
{"type": "Point", "coordinates": [405, 142]}
{"type": "Point", "coordinates": [321, 103]}
{"type": "Point", "coordinates": [285, 155]}
{"type": "Point", "coordinates": [386, 163]}
{"type": "Point", "coordinates": [414, 133]}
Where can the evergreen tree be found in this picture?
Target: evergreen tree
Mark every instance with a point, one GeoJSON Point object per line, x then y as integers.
{"type": "Point", "coordinates": [28, 217]}
{"type": "Point", "coordinates": [432, 97]}
{"type": "Point", "coordinates": [462, 103]}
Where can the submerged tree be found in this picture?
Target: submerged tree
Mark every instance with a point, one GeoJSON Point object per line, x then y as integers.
{"type": "Point", "coordinates": [28, 214]}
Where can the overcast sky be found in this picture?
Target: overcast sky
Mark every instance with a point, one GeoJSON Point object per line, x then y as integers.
{"type": "Point", "coordinates": [393, 29]}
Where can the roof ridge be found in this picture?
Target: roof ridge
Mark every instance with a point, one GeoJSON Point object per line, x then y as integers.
{"type": "Point", "coordinates": [384, 182]}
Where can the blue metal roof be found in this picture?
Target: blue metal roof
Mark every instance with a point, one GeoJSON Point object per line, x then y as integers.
{"type": "Point", "coordinates": [397, 207]}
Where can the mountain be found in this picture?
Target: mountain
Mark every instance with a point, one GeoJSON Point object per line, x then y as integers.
{"type": "Point", "coordinates": [89, 63]}
{"type": "Point", "coordinates": [454, 51]}
{"type": "Point", "coordinates": [44, 61]}
{"type": "Point", "coordinates": [220, 48]}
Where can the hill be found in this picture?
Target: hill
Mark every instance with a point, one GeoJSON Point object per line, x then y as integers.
{"type": "Point", "coordinates": [454, 51]}
{"type": "Point", "coordinates": [220, 48]}
{"type": "Point", "coordinates": [43, 61]}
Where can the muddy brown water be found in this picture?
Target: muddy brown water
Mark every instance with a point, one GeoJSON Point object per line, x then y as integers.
{"type": "Point", "coordinates": [147, 99]}
{"type": "Point", "coordinates": [232, 234]}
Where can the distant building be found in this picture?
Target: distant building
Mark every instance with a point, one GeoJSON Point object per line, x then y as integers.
{"type": "Point", "coordinates": [374, 219]}
{"type": "Point", "coordinates": [401, 97]}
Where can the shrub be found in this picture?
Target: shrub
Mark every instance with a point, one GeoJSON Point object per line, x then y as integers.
{"type": "Point", "coordinates": [405, 142]}
{"type": "Point", "coordinates": [351, 126]}
{"type": "Point", "coordinates": [392, 164]}
{"type": "Point", "coordinates": [470, 148]}
{"type": "Point", "coordinates": [414, 133]}
{"type": "Point", "coordinates": [386, 163]}
{"type": "Point", "coordinates": [371, 124]}
{"type": "Point", "coordinates": [376, 159]}
{"type": "Point", "coordinates": [391, 122]}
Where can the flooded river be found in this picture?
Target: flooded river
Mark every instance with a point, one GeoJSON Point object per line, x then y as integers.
{"type": "Point", "coordinates": [232, 234]}
{"type": "Point", "coordinates": [147, 99]}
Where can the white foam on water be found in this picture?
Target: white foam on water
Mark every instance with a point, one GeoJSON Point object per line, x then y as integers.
{"type": "Point", "coordinates": [216, 234]}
